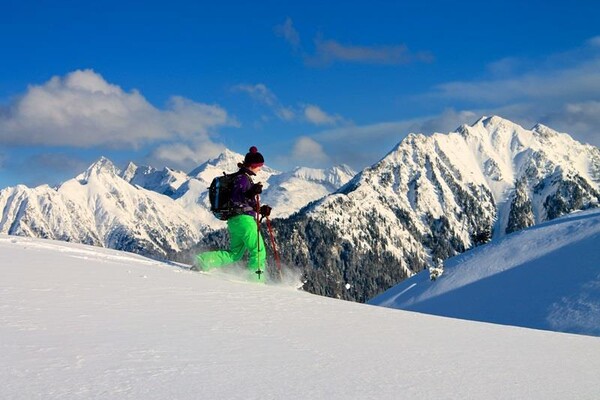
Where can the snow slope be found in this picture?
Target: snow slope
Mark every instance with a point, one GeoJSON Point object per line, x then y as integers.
{"type": "Point", "coordinates": [79, 322]}
{"type": "Point", "coordinates": [544, 277]}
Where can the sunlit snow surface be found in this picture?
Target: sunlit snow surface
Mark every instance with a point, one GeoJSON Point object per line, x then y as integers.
{"type": "Point", "coordinates": [545, 277]}
{"type": "Point", "coordinates": [79, 322]}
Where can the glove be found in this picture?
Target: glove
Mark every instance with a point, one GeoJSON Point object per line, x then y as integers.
{"type": "Point", "coordinates": [265, 210]}
{"type": "Point", "coordinates": [254, 190]}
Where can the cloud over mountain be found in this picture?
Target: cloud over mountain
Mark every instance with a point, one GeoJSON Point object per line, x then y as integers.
{"type": "Point", "coordinates": [560, 89]}
{"type": "Point", "coordinates": [82, 109]}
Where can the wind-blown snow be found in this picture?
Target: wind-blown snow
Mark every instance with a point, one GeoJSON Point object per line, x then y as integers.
{"type": "Point", "coordinates": [544, 277]}
{"type": "Point", "coordinates": [79, 322]}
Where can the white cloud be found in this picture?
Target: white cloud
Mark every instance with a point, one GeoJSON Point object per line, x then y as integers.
{"type": "Point", "coordinates": [561, 91]}
{"type": "Point", "coordinates": [311, 113]}
{"type": "Point", "coordinates": [448, 121]}
{"type": "Point", "coordinates": [82, 109]}
{"type": "Point", "coordinates": [581, 81]}
{"type": "Point", "coordinates": [288, 32]}
{"type": "Point", "coordinates": [263, 95]}
{"type": "Point", "coordinates": [573, 75]}
{"type": "Point", "coordinates": [259, 92]}
{"type": "Point", "coordinates": [330, 51]}
{"type": "Point", "coordinates": [183, 156]}
{"type": "Point", "coordinates": [308, 152]}
{"type": "Point", "coordinates": [317, 116]}
{"type": "Point", "coordinates": [285, 113]}
{"type": "Point", "coordinates": [504, 67]}
{"type": "Point", "coordinates": [304, 112]}
{"type": "Point", "coordinates": [594, 42]}
{"type": "Point", "coordinates": [361, 146]}
{"type": "Point", "coordinates": [583, 118]}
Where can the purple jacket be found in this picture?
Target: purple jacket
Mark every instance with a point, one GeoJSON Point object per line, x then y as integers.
{"type": "Point", "coordinates": [243, 182]}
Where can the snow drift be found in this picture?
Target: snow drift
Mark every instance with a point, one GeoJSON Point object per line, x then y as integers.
{"type": "Point", "coordinates": [545, 277]}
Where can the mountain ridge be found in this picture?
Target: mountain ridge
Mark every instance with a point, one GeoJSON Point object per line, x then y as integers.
{"type": "Point", "coordinates": [139, 209]}
{"type": "Point", "coordinates": [433, 197]}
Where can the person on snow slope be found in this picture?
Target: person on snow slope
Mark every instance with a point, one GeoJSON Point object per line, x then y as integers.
{"type": "Point", "coordinates": [244, 234]}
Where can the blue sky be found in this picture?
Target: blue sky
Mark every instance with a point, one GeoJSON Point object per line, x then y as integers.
{"type": "Point", "coordinates": [172, 84]}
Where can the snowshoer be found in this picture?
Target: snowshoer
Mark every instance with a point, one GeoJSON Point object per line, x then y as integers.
{"type": "Point", "coordinates": [243, 227]}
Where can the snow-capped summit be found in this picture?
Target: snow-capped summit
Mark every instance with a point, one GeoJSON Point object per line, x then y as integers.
{"type": "Point", "coordinates": [544, 131]}
{"type": "Point", "coordinates": [129, 172]}
{"type": "Point", "coordinates": [166, 181]}
{"type": "Point", "coordinates": [102, 166]}
{"type": "Point", "coordinates": [227, 161]}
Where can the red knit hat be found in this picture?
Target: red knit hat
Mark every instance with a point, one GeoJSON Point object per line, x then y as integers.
{"type": "Point", "coordinates": [254, 159]}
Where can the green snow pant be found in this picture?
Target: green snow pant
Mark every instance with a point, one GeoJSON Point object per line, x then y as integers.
{"type": "Point", "coordinates": [243, 236]}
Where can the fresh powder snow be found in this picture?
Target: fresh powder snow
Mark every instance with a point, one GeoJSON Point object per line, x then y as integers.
{"type": "Point", "coordinates": [80, 322]}
{"type": "Point", "coordinates": [544, 277]}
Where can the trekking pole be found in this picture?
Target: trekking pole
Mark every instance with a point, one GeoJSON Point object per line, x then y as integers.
{"type": "Point", "coordinates": [258, 271]}
{"type": "Point", "coordinates": [275, 252]}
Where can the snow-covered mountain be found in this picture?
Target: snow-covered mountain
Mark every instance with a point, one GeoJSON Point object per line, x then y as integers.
{"type": "Point", "coordinates": [227, 162]}
{"type": "Point", "coordinates": [142, 209]}
{"type": "Point", "coordinates": [286, 192]}
{"type": "Point", "coordinates": [193, 194]}
{"type": "Point", "coordinates": [99, 207]}
{"type": "Point", "coordinates": [429, 199]}
{"type": "Point", "coordinates": [433, 197]}
{"type": "Point", "coordinates": [544, 277]}
{"type": "Point", "coordinates": [290, 191]}
{"type": "Point", "coordinates": [165, 181]}
{"type": "Point", "coordinates": [78, 322]}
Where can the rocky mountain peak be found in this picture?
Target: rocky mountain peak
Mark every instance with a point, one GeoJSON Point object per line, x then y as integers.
{"type": "Point", "coordinates": [101, 167]}
{"type": "Point", "coordinates": [544, 131]}
{"type": "Point", "coordinates": [129, 171]}
{"type": "Point", "coordinates": [227, 161]}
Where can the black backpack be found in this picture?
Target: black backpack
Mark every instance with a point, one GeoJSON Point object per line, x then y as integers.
{"type": "Point", "coordinates": [219, 194]}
